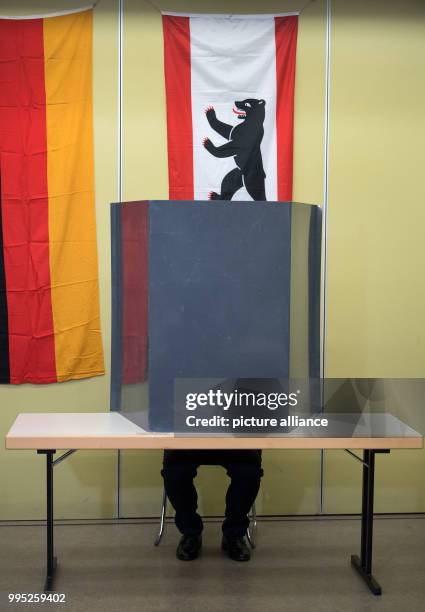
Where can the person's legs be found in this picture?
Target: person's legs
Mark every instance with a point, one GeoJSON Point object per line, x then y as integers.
{"type": "Point", "coordinates": [245, 472]}
{"type": "Point", "coordinates": [179, 470]}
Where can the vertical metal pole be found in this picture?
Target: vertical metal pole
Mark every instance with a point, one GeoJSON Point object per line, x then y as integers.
{"type": "Point", "coordinates": [325, 220]}
{"type": "Point", "coordinates": [118, 509]}
{"type": "Point", "coordinates": [321, 481]}
{"type": "Point", "coordinates": [326, 177]}
{"type": "Point", "coordinates": [120, 96]}
{"type": "Point", "coordinates": [120, 183]}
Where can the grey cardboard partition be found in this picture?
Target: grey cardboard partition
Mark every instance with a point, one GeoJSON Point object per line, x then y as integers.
{"type": "Point", "coordinates": [216, 293]}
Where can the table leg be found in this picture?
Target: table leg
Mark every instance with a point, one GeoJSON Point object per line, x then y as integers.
{"type": "Point", "coordinates": [363, 565]}
{"type": "Point", "coordinates": [51, 559]}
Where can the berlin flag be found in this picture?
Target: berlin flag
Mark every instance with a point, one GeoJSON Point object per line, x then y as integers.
{"type": "Point", "coordinates": [230, 105]}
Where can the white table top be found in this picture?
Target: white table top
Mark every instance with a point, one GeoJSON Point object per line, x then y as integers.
{"type": "Point", "coordinates": [111, 430]}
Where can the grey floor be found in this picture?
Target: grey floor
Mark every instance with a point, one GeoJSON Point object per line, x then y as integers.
{"type": "Point", "coordinates": [299, 565]}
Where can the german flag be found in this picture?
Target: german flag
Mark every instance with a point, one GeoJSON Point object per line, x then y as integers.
{"type": "Point", "coordinates": [49, 297]}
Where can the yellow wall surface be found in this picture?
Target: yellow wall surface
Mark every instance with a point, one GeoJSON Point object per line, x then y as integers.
{"type": "Point", "coordinates": [376, 250]}
{"type": "Point", "coordinates": [375, 296]}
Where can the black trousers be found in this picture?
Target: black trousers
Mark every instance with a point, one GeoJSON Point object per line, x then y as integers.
{"type": "Point", "coordinates": [244, 469]}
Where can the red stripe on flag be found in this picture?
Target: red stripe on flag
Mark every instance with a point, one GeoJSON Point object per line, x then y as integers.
{"type": "Point", "coordinates": [286, 29]}
{"type": "Point", "coordinates": [23, 148]}
{"type": "Point", "coordinates": [179, 106]}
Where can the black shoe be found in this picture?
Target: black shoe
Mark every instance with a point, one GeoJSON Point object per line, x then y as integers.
{"type": "Point", "coordinates": [236, 548]}
{"type": "Point", "coordinates": [189, 547]}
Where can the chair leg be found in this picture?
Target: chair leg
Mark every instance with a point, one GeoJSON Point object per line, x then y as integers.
{"type": "Point", "coordinates": [162, 519]}
{"type": "Point", "coordinates": [251, 532]}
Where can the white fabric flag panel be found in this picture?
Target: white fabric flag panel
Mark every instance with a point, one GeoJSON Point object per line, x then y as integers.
{"type": "Point", "coordinates": [230, 102]}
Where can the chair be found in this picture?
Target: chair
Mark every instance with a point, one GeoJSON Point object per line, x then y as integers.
{"type": "Point", "coordinates": [251, 532]}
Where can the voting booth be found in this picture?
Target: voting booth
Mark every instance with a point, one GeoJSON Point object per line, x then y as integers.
{"type": "Point", "coordinates": [211, 298]}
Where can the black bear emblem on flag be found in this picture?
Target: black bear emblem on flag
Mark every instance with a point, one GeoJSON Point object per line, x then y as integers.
{"type": "Point", "coordinates": [244, 145]}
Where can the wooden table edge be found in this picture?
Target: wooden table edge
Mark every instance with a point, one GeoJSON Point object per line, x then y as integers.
{"type": "Point", "coordinates": [167, 441]}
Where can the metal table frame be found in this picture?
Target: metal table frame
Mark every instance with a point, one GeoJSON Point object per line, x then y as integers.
{"type": "Point", "coordinates": [362, 563]}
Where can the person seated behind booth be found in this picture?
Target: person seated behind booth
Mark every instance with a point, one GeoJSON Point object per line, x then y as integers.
{"type": "Point", "coordinates": [245, 472]}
